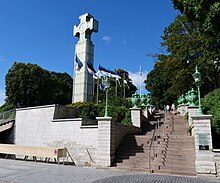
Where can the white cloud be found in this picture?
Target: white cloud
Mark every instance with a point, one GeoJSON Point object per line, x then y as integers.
{"type": "Point", "coordinates": [138, 80]}
{"type": "Point", "coordinates": [107, 39]}
{"type": "Point", "coordinates": [2, 97]}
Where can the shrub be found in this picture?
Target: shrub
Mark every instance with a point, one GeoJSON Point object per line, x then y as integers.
{"type": "Point", "coordinates": [211, 105]}
{"type": "Point", "coordinates": [90, 111]}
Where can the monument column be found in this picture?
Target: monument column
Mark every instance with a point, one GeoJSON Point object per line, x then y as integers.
{"type": "Point", "coordinates": [84, 50]}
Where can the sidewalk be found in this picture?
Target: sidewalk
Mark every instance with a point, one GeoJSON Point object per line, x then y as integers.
{"type": "Point", "coordinates": [30, 172]}
{"type": "Point", "coordinates": [15, 171]}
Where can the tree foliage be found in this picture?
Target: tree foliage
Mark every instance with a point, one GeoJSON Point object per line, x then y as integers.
{"type": "Point", "coordinates": [206, 12]}
{"type": "Point", "coordinates": [167, 80]}
{"type": "Point", "coordinates": [30, 85]}
{"type": "Point", "coordinates": [120, 113]}
{"type": "Point", "coordinates": [187, 47]}
{"type": "Point", "coordinates": [211, 103]}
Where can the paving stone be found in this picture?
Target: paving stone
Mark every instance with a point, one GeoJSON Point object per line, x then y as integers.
{"type": "Point", "coordinates": [153, 179]}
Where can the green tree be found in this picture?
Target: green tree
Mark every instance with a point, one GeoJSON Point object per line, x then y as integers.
{"type": "Point", "coordinates": [186, 47]}
{"type": "Point", "coordinates": [167, 80]}
{"type": "Point", "coordinates": [211, 103]}
{"type": "Point", "coordinates": [206, 12]}
{"type": "Point", "coordinates": [185, 42]}
{"type": "Point", "coordinates": [30, 85]}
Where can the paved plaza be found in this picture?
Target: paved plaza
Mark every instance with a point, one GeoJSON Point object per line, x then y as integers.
{"type": "Point", "coordinates": [14, 171]}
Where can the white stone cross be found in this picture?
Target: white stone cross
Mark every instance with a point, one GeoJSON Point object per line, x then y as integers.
{"type": "Point", "coordinates": [87, 25]}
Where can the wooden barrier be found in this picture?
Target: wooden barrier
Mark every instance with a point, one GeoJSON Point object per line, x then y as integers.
{"type": "Point", "coordinates": [43, 152]}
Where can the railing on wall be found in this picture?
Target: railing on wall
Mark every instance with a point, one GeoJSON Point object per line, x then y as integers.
{"type": "Point", "coordinates": [7, 116]}
{"type": "Point", "coordinates": [152, 153]}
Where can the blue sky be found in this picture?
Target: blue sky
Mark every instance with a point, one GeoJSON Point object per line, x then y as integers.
{"type": "Point", "coordinates": [40, 32]}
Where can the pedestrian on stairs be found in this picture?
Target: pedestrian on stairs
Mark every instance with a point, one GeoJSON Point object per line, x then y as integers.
{"type": "Point", "coordinates": [173, 108]}
{"type": "Point", "coordinates": [168, 108]}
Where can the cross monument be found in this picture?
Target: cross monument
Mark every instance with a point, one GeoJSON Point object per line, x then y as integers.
{"type": "Point", "coordinates": [84, 49]}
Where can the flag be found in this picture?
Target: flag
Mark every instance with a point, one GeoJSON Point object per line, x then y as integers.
{"type": "Point", "coordinates": [78, 63]}
{"type": "Point", "coordinates": [100, 74]}
{"type": "Point", "coordinates": [104, 71]}
{"type": "Point", "coordinates": [114, 75]}
{"type": "Point", "coordinates": [95, 76]}
{"type": "Point", "coordinates": [90, 68]}
{"type": "Point", "coordinates": [108, 72]}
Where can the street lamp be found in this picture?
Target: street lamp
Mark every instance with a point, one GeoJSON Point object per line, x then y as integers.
{"type": "Point", "coordinates": [197, 77]}
{"type": "Point", "coordinates": [106, 85]}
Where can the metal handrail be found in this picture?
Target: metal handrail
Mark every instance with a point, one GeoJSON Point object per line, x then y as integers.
{"type": "Point", "coordinates": [69, 155]}
{"type": "Point", "coordinates": [90, 156]}
{"type": "Point", "coordinates": [152, 145]}
{"type": "Point", "coordinates": [7, 116]}
{"type": "Point", "coordinates": [172, 121]}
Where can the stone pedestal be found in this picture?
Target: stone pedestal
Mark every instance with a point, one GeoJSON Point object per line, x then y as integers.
{"type": "Point", "coordinates": [136, 117]}
{"type": "Point", "coordinates": [83, 81]}
{"type": "Point", "coordinates": [145, 112]}
{"type": "Point", "coordinates": [106, 141]}
{"type": "Point", "coordinates": [192, 111]}
{"type": "Point", "coordinates": [201, 131]}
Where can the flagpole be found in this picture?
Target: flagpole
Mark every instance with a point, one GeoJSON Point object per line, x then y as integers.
{"type": "Point", "coordinates": [124, 85]}
{"type": "Point", "coordinates": [140, 80]}
{"type": "Point", "coordinates": [97, 92]}
{"type": "Point", "coordinates": [74, 77]}
{"type": "Point", "coordinates": [116, 89]}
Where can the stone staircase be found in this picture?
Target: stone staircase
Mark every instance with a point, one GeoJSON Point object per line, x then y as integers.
{"type": "Point", "coordinates": [174, 150]}
{"type": "Point", "coordinates": [133, 153]}
{"type": "Point", "coordinates": [6, 126]}
{"type": "Point", "coordinates": [7, 120]}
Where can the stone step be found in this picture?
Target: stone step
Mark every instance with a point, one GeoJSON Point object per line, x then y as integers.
{"type": "Point", "coordinates": [171, 172]}
{"type": "Point", "coordinates": [180, 156]}
{"type": "Point", "coordinates": [131, 169]}
{"type": "Point", "coordinates": [176, 152]}
{"type": "Point", "coordinates": [135, 156]}
{"type": "Point", "coordinates": [177, 168]}
{"type": "Point", "coordinates": [177, 161]}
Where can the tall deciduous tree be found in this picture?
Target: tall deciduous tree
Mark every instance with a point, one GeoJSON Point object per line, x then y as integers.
{"type": "Point", "coordinates": [206, 12]}
{"type": "Point", "coordinates": [186, 47]}
{"type": "Point", "coordinates": [30, 85]}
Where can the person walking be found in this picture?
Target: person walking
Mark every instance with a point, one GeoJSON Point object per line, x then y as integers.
{"type": "Point", "coordinates": [173, 108]}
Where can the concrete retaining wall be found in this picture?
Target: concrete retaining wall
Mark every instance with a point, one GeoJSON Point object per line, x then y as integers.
{"type": "Point", "coordinates": [36, 126]}
{"type": "Point", "coordinates": [121, 131]}
{"type": "Point", "coordinates": [217, 162]}
{"type": "Point", "coordinates": [88, 144]}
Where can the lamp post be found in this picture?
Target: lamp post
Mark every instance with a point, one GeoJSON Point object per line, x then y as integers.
{"type": "Point", "coordinates": [197, 77]}
{"type": "Point", "coordinates": [106, 85]}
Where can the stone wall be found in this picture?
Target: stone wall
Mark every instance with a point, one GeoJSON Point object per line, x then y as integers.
{"type": "Point", "coordinates": [121, 131]}
{"type": "Point", "coordinates": [201, 131]}
{"type": "Point", "coordinates": [110, 135]}
{"type": "Point", "coordinates": [89, 143]}
{"type": "Point", "coordinates": [192, 111]}
{"type": "Point", "coordinates": [217, 161]}
{"type": "Point", "coordinates": [36, 126]}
